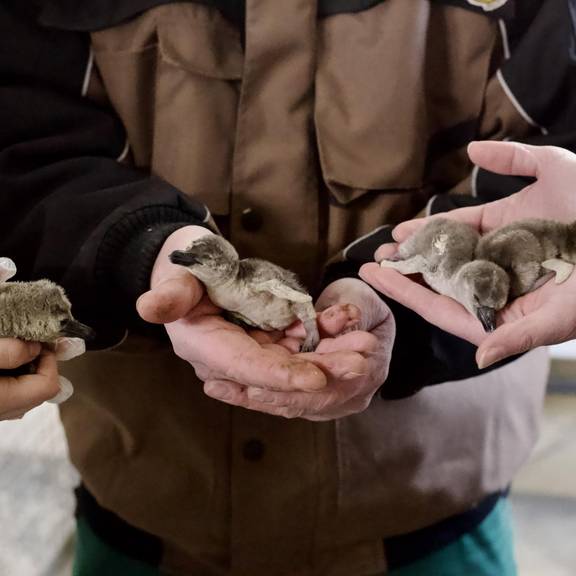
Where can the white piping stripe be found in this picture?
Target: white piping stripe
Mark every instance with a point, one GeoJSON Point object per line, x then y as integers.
{"type": "Point", "coordinates": [88, 73]}
{"type": "Point", "coordinates": [124, 152]}
{"type": "Point", "coordinates": [116, 344]}
{"type": "Point", "coordinates": [375, 231]}
{"type": "Point", "coordinates": [428, 208]}
{"type": "Point", "coordinates": [504, 34]}
{"type": "Point", "coordinates": [517, 104]}
{"type": "Point", "coordinates": [474, 181]}
{"type": "Point", "coordinates": [207, 217]}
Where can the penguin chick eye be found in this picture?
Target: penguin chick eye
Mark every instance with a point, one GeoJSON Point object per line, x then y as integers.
{"type": "Point", "coordinates": [61, 312]}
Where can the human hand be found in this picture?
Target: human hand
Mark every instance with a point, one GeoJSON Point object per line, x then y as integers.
{"type": "Point", "coordinates": [544, 316]}
{"type": "Point", "coordinates": [355, 362]}
{"type": "Point", "coordinates": [19, 394]}
{"type": "Point", "coordinates": [217, 349]}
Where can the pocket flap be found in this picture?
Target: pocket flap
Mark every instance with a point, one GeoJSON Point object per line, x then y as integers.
{"type": "Point", "coordinates": [202, 42]}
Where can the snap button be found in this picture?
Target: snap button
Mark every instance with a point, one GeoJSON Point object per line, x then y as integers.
{"type": "Point", "coordinates": [253, 450]}
{"type": "Point", "coordinates": [251, 220]}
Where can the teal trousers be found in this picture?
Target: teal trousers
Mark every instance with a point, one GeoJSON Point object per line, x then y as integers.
{"type": "Point", "coordinates": [485, 551]}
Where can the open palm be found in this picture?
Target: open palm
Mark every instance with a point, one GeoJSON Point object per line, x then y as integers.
{"type": "Point", "coordinates": [544, 316]}
{"type": "Point", "coordinates": [265, 371]}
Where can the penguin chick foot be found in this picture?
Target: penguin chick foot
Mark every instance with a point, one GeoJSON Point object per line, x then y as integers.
{"type": "Point", "coordinates": [561, 269]}
{"type": "Point", "coordinates": [312, 335]}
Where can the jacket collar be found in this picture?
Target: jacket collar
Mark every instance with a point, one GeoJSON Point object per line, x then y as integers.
{"type": "Point", "coordinates": [99, 14]}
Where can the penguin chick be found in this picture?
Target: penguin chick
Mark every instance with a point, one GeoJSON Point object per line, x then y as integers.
{"type": "Point", "coordinates": [443, 252]}
{"type": "Point", "coordinates": [529, 249]}
{"type": "Point", "coordinates": [254, 291]}
{"type": "Point", "coordinates": [39, 312]}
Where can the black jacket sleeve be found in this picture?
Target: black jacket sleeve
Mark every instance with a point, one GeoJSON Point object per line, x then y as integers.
{"type": "Point", "coordinates": [539, 77]}
{"type": "Point", "coordinates": [71, 211]}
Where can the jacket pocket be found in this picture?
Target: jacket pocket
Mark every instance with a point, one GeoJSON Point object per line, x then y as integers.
{"type": "Point", "coordinates": [173, 75]}
{"type": "Point", "coordinates": [406, 84]}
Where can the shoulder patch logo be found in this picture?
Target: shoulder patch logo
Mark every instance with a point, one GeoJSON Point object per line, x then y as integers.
{"type": "Point", "coordinates": [488, 5]}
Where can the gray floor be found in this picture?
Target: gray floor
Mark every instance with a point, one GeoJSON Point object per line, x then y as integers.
{"type": "Point", "coordinates": [36, 505]}
{"type": "Point", "coordinates": [36, 502]}
{"type": "Point", "coordinates": [544, 496]}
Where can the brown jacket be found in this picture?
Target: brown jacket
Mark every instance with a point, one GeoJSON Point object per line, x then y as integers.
{"type": "Point", "coordinates": [300, 137]}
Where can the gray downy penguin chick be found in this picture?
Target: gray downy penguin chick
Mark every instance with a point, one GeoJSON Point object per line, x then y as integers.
{"type": "Point", "coordinates": [529, 250]}
{"type": "Point", "coordinates": [443, 252]}
{"type": "Point", "coordinates": [36, 311]}
{"type": "Point", "coordinates": [256, 292]}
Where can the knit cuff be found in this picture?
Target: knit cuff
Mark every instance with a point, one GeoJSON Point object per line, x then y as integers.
{"type": "Point", "coordinates": [128, 253]}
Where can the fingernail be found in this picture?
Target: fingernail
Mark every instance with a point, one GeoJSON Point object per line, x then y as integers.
{"type": "Point", "coordinates": [352, 375]}
{"type": "Point", "coordinates": [489, 357]}
{"type": "Point", "coordinates": [307, 376]}
{"type": "Point", "coordinates": [34, 348]}
{"type": "Point", "coordinates": [219, 390]}
{"type": "Point", "coordinates": [66, 390]}
{"type": "Point", "coordinates": [68, 348]}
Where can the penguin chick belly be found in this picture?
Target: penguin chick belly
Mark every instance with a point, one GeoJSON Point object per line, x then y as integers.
{"type": "Point", "coordinates": [259, 309]}
{"type": "Point", "coordinates": [441, 282]}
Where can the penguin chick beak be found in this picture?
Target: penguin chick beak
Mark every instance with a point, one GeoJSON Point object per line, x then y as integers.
{"type": "Point", "coordinates": [74, 329]}
{"type": "Point", "coordinates": [487, 317]}
{"type": "Point", "coordinates": [183, 258]}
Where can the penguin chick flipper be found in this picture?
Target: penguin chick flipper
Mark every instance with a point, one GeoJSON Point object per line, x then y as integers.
{"type": "Point", "coordinates": [415, 265]}
{"type": "Point", "coordinates": [561, 268]}
{"type": "Point", "coordinates": [282, 290]}
{"type": "Point", "coordinates": [306, 313]}
{"type": "Point", "coordinates": [7, 269]}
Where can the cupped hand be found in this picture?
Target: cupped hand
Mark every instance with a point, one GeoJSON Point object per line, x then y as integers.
{"type": "Point", "coordinates": [544, 316]}
{"type": "Point", "coordinates": [20, 394]}
{"type": "Point", "coordinates": [357, 331]}
{"type": "Point", "coordinates": [217, 349]}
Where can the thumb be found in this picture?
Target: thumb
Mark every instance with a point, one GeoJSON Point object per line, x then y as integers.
{"type": "Point", "coordinates": [516, 337]}
{"type": "Point", "coordinates": [505, 157]}
{"type": "Point", "coordinates": [170, 299]}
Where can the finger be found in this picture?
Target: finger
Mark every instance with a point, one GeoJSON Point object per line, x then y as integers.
{"type": "Point", "coordinates": [14, 353]}
{"type": "Point", "coordinates": [230, 352]}
{"type": "Point", "coordinates": [338, 318]}
{"type": "Point", "coordinates": [14, 415]}
{"type": "Point", "coordinates": [265, 337]}
{"type": "Point", "coordinates": [386, 251]}
{"type": "Point", "coordinates": [291, 344]}
{"type": "Point", "coordinates": [279, 349]}
{"type": "Point", "coordinates": [270, 369]}
{"type": "Point", "coordinates": [505, 157]}
{"type": "Point", "coordinates": [292, 404]}
{"type": "Point", "coordinates": [332, 321]}
{"type": "Point", "coordinates": [357, 341]}
{"type": "Point", "coordinates": [339, 364]}
{"type": "Point", "coordinates": [28, 391]}
{"type": "Point", "coordinates": [536, 329]}
{"type": "Point", "coordinates": [68, 348]}
{"type": "Point", "coordinates": [170, 300]}
{"type": "Point", "coordinates": [441, 311]}
{"type": "Point", "coordinates": [236, 395]}
{"type": "Point", "coordinates": [66, 391]}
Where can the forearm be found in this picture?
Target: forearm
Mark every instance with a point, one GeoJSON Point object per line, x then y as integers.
{"type": "Point", "coordinates": [72, 212]}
